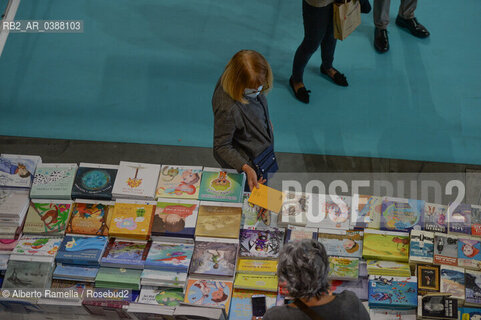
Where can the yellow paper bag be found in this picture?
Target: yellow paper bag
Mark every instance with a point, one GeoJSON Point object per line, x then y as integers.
{"type": "Point", "coordinates": [346, 18]}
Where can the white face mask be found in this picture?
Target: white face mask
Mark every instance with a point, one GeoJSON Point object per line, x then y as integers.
{"type": "Point", "coordinates": [252, 93]}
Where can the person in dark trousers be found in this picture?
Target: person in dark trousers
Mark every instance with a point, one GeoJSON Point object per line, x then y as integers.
{"type": "Point", "coordinates": [242, 125]}
{"type": "Point", "coordinates": [405, 19]}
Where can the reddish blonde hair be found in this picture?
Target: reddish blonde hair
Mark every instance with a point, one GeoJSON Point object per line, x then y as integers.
{"type": "Point", "coordinates": [246, 69]}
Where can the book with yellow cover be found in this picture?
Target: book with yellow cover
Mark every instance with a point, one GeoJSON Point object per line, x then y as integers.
{"type": "Point", "coordinates": [386, 245]}
{"type": "Point", "coordinates": [219, 220]}
{"type": "Point", "coordinates": [132, 219]}
{"type": "Point", "coordinates": [268, 267]}
{"type": "Point", "coordinates": [268, 198]}
{"type": "Point", "coordinates": [256, 282]}
{"type": "Point", "coordinates": [388, 268]}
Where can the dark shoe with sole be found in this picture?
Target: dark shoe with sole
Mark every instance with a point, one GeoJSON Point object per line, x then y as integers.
{"type": "Point", "coordinates": [365, 6]}
{"type": "Point", "coordinates": [302, 94]}
{"type": "Point", "coordinates": [338, 78]}
{"type": "Point", "coordinates": [413, 26]}
{"type": "Point", "coordinates": [381, 40]}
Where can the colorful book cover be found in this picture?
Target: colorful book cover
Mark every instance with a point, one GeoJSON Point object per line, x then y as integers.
{"type": "Point", "coordinates": [453, 282]}
{"type": "Point", "coordinates": [37, 246]}
{"type": "Point", "coordinates": [47, 217]}
{"type": "Point", "coordinates": [435, 217]}
{"type": "Point", "coordinates": [90, 218]}
{"type": "Point", "coordinates": [118, 278]}
{"type": "Point", "coordinates": [256, 282]}
{"type": "Point", "coordinates": [467, 313]}
{"type": "Point", "coordinates": [214, 258]}
{"type": "Point", "coordinates": [341, 268]}
{"type": "Point", "coordinates": [81, 250]}
{"type": "Point", "coordinates": [179, 182]}
{"type": "Point", "coordinates": [388, 268]}
{"type": "Point", "coordinates": [175, 218]}
{"type": "Point", "coordinates": [469, 253]}
{"type": "Point", "coordinates": [221, 185]}
{"type": "Point", "coordinates": [459, 218]}
{"type": "Point", "coordinates": [136, 180]}
{"type": "Point", "coordinates": [295, 233]}
{"type": "Point", "coordinates": [476, 220]}
{"type": "Point", "coordinates": [53, 181]}
{"type": "Point", "coordinates": [366, 211]}
{"type": "Point", "coordinates": [132, 219]}
{"type": "Point", "coordinates": [169, 256]}
{"type": "Point", "coordinates": [473, 287]}
{"type": "Point", "coordinates": [391, 246]}
{"type": "Point", "coordinates": [94, 181]}
{"type": "Point", "coordinates": [262, 244]}
{"type": "Point", "coordinates": [359, 287]}
{"type": "Point", "coordinates": [400, 214]}
{"type": "Point", "coordinates": [241, 304]}
{"type": "Point", "coordinates": [445, 249]}
{"type": "Point", "coordinates": [170, 297]}
{"type": "Point", "coordinates": [428, 278]}
{"type": "Point", "coordinates": [294, 209]}
{"type": "Point", "coordinates": [217, 220]}
{"type": "Point", "coordinates": [255, 217]}
{"type": "Point", "coordinates": [127, 254]}
{"type": "Point", "coordinates": [75, 272]}
{"type": "Point", "coordinates": [27, 274]}
{"type": "Point", "coordinates": [17, 170]}
{"type": "Point", "coordinates": [344, 244]}
{"type": "Point", "coordinates": [421, 247]}
{"type": "Point", "coordinates": [439, 307]}
{"type": "Point", "coordinates": [393, 292]}
{"type": "Point", "coordinates": [257, 266]}
{"type": "Point", "coordinates": [337, 212]}
{"type": "Point", "coordinates": [209, 293]}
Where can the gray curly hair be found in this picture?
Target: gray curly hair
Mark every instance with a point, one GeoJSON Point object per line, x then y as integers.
{"type": "Point", "coordinates": [304, 267]}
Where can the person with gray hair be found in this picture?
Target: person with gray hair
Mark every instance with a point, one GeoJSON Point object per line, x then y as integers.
{"type": "Point", "coordinates": [304, 267]}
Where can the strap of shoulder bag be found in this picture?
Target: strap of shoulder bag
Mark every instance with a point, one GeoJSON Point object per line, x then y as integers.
{"type": "Point", "coordinates": [303, 307]}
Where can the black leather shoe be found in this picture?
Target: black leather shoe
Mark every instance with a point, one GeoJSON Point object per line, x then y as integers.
{"type": "Point", "coordinates": [338, 77]}
{"type": "Point", "coordinates": [416, 29]}
{"type": "Point", "coordinates": [365, 6]}
{"type": "Point", "coordinates": [302, 94]}
{"type": "Point", "coordinates": [381, 40]}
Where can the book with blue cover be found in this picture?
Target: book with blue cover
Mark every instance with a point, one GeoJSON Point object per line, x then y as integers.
{"type": "Point", "coordinates": [81, 250]}
{"type": "Point", "coordinates": [17, 170]}
{"type": "Point", "coordinates": [421, 247]}
{"type": "Point", "coordinates": [224, 185]}
{"type": "Point", "coordinates": [393, 292]}
{"type": "Point", "coordinates": [75, 272]}
{"type": "Point", "coordinates": [399, 214]}
{"type": "Point", "coordinates": [453, 282]}
{"type": "Point", "coordinates": [169, 256]}
{"type": "Point", "coordinates": [94, 181]}
{"type": "Point", "coordinates": [459, 218]}
{"type": "Point", "coordinates": [125, 254]}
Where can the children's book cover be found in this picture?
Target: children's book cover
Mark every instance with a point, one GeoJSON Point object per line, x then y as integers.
{"type": "Point", "coordinates": [81, 250]}
{"type": "Point", "coordinates": [90, 218]}
{"type": "Point", "coordinates": [421, 247]}
{"type": "Point", "coordinates": [13, 201]}
{"type": "Point", "coordinates": [473, 287]}
{"type": "Point", "coordinates": [469, 253]}
{"type": "Point", "coordinates": [345, 244]}
{"type": "Point", "coordinates": [37, 246]}
{"type": "Point", "coordinates": [170, 297]}
{"type": "Point", "coordinates": [359, 287]}
{"type": "Point", "coordinates": [453, 282]}
{"type": "Point", "coordinates": [256, 282]}
{"type": "Point", "coordinates": [428, 278]}
{"type": "Point", "coordinates": [445, 249]}
{"type": "Point", "coordinates": [255, 217]}
{"type": "Point", "coordinates": [393, 292]}
{"type": "Point", "coordinates": [262, 244]}
{"type": "Point", "coordinates": [257, 266]}
{"type": "Point", "coordinates": [218, 221]}
{"type": "Point", "coordinates": [53, 181]}
{"type": "Point", "coordinates": [169, 256]}
{"type": "Point", "coordinates": [435, 217]}
{"type": "Point", "coordinates": [294, 209]}
{"type": "Point", "coordinates": [209, 293]}
{"type": "Point", "coordinates": [132, 220]}
{"type": "Point", "coordinates": [175, 218]}
{"type": "Point", "coordinates": [391, 246]}
{"type": "Point", "coordinates": [26, 274]}
{"type": "Point", "coordinates": [75, 272]}
{"type": "Point", "coordinates": [295, 233]}
{"type": "Point", "coordinates": [341, 268]}
{"type": "Point", "coordinates": [459, 218]}
{"type": "Point", "coordinates": [136, 180]}
{"type": "Point", "coordinates": [400, 214]}
{"type": "Point", "coordinates": [125, 254]}
{"type": "Point", "coordinates": [179, 182]}
{"type": "Point", "coordinates": [221, 186]}
{"type": "Point", "coordinates": [337, 212]}
{"type": "Point", "coordinates": [47, 217]}
{"type": "Point", "coordinates": [366, 211]}
{"type": "Point", "coordinates": [94, 181]}
{"type": "Point", "coordinates": [17, 170]}
{"type": "Point", "coordinates": [241, 304]}
{"type": "Point", "coordinates": [214, 258]}
{"type": "Point", "coordinates": [476, 220]}
{"type": "Point", "coordinates": [388, 268]}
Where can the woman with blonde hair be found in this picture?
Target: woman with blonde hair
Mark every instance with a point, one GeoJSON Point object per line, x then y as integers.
{"type": "Point", "coordinates": [243, 137]}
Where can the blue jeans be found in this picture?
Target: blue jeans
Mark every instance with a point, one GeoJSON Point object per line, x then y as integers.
{"type": "Point", "coordinates": [318, 30]}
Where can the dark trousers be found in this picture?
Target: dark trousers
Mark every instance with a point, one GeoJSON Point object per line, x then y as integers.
{"type": "Point", "coordinates": [318, 30]}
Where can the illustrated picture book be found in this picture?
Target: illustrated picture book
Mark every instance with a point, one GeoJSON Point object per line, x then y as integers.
{"type": "Point", "coordinates": [53, 181]}
{"type": "Point", "coordinates": [216, 219]}
{"type": "Point", "coordinates": [392, 292]}
{"type": "Point", "coordinates": [132, 219]}
{"type": "Point", "coordinates": [399, 214]}
{"type": "Point", "coordinates": [473, 288]}
{"type": "Point", "coordinates": [459, 218]}
{"type": "Point", "coordinates": [94, 181]}
{"type": "Point", "coordinates": [28, 274]}
{"type": "Point", "coordinates": [169, 256]}
{"type": "Point", "coordinates": [294, 209]}
{"type": "Point", "coordinates": [366, 211]}
{"type": "Point", "coordinates": [421, 247]}
{"type": "Point", "coordinates": [48, 217]}
{"type": "Point", "coordinates": [90, 217]}
{"type": "Point", "coordinates": [175, 218]}
{"type": "Point", "coordinates": [81, 250]}
{"type": "Point", "coordinates": [435, 217]}
{"type": "Point", "coordinates": [445, 249]}
{"type": "Point", "coordinates": [453, 281]}
{"type": "Point", "coordinates": [261, 244]}
{"type": "Point", "coordinates": [18, 170]}
{"type": "Point", "coordinates": [213, 257]}
{"type": "Point", "coordinates": [213, 293]}
{"type": "Point", "coordinates": [37, 246]}
{"type": "Point", "coordinates": [343, 268]}
{"type": "Point", "coordinates": [125, 254]}
{"type": "Point", "coordinates": [342, 243]}
{"type": "Point", "coordinates": [179, 182]}
{"type": "Point", "coordinates": [337, 212]}
{"type": "Point", "coordinates": [255, 217]}
{"type": "Point", "coordinates": [256, 282]}
{"type": "Point", "coordinates": [223, 185]}
{"type": "Point", "coordinates": [428, 278]}
{"type": "Point", "coordinates": [388, 268]}
{"type": "Point", "coordinates": [136, 180]}
{"type": "Point", "coordinates": [161, 296]}
{"type": "Point", "coordinates": [386, 245]}
{"type": "Point", "coordinates": [469, 253]}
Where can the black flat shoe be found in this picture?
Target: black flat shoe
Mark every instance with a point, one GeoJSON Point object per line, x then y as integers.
{"type": "Point", "coordinates": [302, 94]}
{"type": "Point", "coordinates": [365, 6]}
{"type": "Point", "coordinates": [381, 40]}
{"type": "Point", "coordinates": [413, 26]}
{"type": "Point", "coordinates": [338, 77]}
